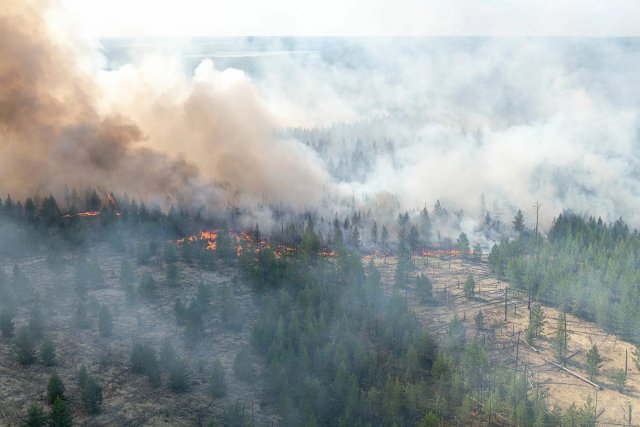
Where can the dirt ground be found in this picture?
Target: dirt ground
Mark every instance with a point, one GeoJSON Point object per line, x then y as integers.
{"type": "Point", "coordinates": [129, 399]}
{"type": "Point", "coordinates": [559, 387]}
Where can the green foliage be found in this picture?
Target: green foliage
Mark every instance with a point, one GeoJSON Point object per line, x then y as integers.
{"type": "Point", "coordinates": [217, 383]}
{"type": "Point", "coordinates": [594, 361]}
{"type": "Point", "coordinates": [60, 414]}
{"type": "Point", "coordinates": [635, 355]}
{"type": "Point", "coordinates": [55, 389]}
{"type": "Point", "coordinates": [127, 275]}
{"type": "Point", "coordinates": [36, 323]}
{"type": "Point", "coordinates": [194, 323]}
{"type": "Point", "coordinates": [469, 286]}
{"type": "Point", "coordinates": [143, 360]}
{"type": "Point", "coordinates": [429, 420]}
{"type": "Point", "coordinates": [173, 279]}
{"type": "Point", "coordinates": [91, 392]}
{"type": "Point", "coordinates": [479, 320]}
{"type": "Point", "coordinates": [230, 312]}
{"type": "Point", "coordinates": [424, 288]}
{"type": "Point", "coordinates": [6, 323]}
{"type": "Point", "coordinates": [179, 376]}
{"type": "Point", "coordinates": [24, 347]}
{"type": "Point", "coordinates": [36, 417]}
{"type": "Point", "coordinates": [462, 244]}
{"type": "Point", "coordinates": [147, 287]}
{"type": "Point", "coordinates": [105, 322]}
{"type": "Point", "coordinates": [236, 415]}
{"type": "Point", "coordinates": [585, 267]}
{"type": "Point", "coordinates": [168, 355]}
{"type": "Point", "coordinates": [48, 353]}
{"type": "Point", "coordinates": [619, 378]}
{"type": "Point", "coordinates": [560, 341]}
{"type": "Point", "coordinates": [537, 321]}
{"type": "Point", "coordinates": [82, 318]}
{"type": "Point", "coordinates": [518, 222]}
{"type": "Point", "coordinates": [243, 366]}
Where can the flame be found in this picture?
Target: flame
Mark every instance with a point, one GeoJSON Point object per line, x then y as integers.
{"type": "Point", "coordinates": [82, 214]}
{"type": "Point", "coordinates": [113, 203]}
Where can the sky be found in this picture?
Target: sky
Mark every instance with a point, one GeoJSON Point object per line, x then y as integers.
{"type": "Point", "coordinates": [184, 18]}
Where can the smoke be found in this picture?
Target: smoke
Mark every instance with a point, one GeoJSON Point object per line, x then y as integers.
{"type": "Point", "coordinates": [385, 124]}
{"type": "Point", "coordinates": [150, 129]}
{"type": "Point", "coordinates": [515, 119]}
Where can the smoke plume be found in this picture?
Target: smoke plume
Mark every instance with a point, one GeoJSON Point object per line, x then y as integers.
{"type": "Point", "coordinates": [153, 136]}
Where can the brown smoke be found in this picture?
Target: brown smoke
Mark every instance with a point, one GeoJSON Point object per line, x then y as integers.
{"type": "Point", "coordinates": [59, 126]}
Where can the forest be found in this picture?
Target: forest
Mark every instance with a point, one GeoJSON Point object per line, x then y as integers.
{"type": "Point", "coordinates": [322, 340]}
{"type": "Point", "coordinates": [585, 266]}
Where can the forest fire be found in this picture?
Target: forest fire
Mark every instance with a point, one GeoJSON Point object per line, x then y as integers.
{"type": "Point", "coordinates": [242, 240]}
{"type": "Point", "coordinates": [82, 214]}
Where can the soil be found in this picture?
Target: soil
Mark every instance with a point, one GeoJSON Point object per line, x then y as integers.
{"type": "Point", "coordinates": [534, 359]}
{"type": "Point", "coordinates": [129, 399]}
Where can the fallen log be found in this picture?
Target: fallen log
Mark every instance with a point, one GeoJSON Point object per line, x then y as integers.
{"type": "Point", "coordinates": [578, 376]}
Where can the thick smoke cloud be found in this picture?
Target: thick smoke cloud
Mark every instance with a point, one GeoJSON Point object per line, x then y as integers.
{"type": "Point", "coordinates": [52, 135]}
{"type": "Point", "coordinates": [156, 135]}
{"type": "Point", "coordinates": [515, 119]}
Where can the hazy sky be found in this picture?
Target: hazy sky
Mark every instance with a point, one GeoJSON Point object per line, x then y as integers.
{"type": "Point", "coordinates": [357, 17]}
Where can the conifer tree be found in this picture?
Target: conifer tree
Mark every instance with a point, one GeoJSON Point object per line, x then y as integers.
{"type": "Point", "coordinates": [36, 417]}
{"type": "Point", "coordinates": [594, 361]}
{"type": "Point", "coordinates": [24, 347]}
{"type": "Point", "coordinates": [105, 322]}
{"type": "Point", "coordinates": [55, 389]}
{"type": "Point", "coordinates": [60, 415]}
{"type": "Point", "coordinates": [48, 353]}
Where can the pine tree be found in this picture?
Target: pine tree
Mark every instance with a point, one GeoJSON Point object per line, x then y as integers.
{"type": "Point", "coordinates": [594, 361]}
{"type": "Point", "coordinates": [60, 415]}
{"type": "Point", "coordinates": [536, 322]}
{"type": "Point", "coordinates": [105, 322]}
{"type": "Point", "coordinates": [179, 376]}
{"type": "Point", "coordinates": [561, 339]}
{"type": "Point", "coordinates": [172, 275]}
{"type": "Point", "coordinates": [462, 244]}
{"type": "Point", "coordinates": [143, 360]}
{"type": "Point", "coordinates": [36, 417]}
{"type": "Point", "coordinates": [36, 324]}
{"type": "Point", "coordinates": [470, 286]}
{"type": "Point", "coordinates": [217, 381]}
{"type": "Point", "coordinates": [479, 320]}
{"type": "Point", "coordinates": [48, 353]}
{"type": "Point", "coordinates": [243, 366]}
{"type": "Point", "coordinates": [424, 288]}
{"type": "Point", "coordinates": [24, 347]}
{"type": "Point", "coordinates": [91, 395]}
{"type": "Point", "coordinates": [384, 237]}
{"type": "Point", "coordinates": [518, 222]}
{"type": "Point", "coordinates": [6, 323]}
{"type": "Point", "coordinates": [55, 389]}
{"type": "Point", "coordinates": [374, 233]}
{"type": "Point", "coordinates": [147, 286]}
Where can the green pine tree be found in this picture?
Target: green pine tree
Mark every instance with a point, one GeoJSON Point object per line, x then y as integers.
{"type": "Point", "coordinates": [24, 347]}
{"type": "Point", "coordinates": [594, 361]}
{"type": "Point", "coordinates": [36, 417]}
{"type": "Point", "coordinates": [55, 389]}
{"type": "Point", "coordinates": [60, 415]}
{"type": "Point", "coordinates": [48, 353]}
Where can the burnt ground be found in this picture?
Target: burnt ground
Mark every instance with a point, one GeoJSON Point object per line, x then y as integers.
{"type": "Point", "coordinates": [559, 387]}
{"type": "Point", "coordinates": [129, 399]}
